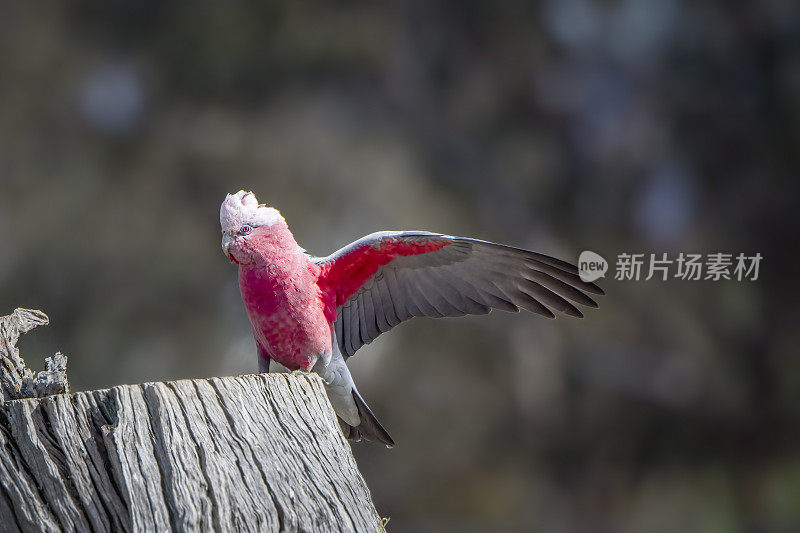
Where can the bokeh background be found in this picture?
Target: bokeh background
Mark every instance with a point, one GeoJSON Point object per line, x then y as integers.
{"type": "Point", "coordinates": [616, 126]}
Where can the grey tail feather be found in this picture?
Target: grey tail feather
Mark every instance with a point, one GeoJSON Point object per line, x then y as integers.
{"type": "Point", "coordinates": [369, 428]}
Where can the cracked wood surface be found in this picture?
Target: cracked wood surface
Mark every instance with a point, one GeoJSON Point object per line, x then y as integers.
{"type": "Point", "coordinates": [250, 453]}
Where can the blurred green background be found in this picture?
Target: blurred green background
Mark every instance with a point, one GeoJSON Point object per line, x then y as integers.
{"type": "Point", "coordinates": [564, 125]}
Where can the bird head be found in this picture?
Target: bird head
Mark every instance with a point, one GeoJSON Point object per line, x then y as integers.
{"type": "Point", "coordinates": [241, 217]}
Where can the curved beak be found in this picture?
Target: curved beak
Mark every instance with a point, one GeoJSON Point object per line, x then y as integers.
{"type": "Point", "coordinates": [226, 244]}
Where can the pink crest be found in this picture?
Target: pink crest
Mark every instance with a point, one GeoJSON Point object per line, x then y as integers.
{"type": "Point", "coordinates": [243, 208]}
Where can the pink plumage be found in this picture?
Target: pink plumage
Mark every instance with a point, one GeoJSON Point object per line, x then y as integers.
{"type": "Point", "coordinates": [312, 313]}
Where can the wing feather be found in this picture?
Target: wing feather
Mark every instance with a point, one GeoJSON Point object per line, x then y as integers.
{"type": "Point", "coordinates": [559, 287]}
{"type": "Point", "coordinates": [399, 297]}
{"type": "Point", "coordinates": [434, 295]}
{"type": "Point", "coordinates": [377, 306]}
{"type": "Point", "coordinates": [355, 332]}
{"type": "Point", "coordinates": [343, 318]}
{"type": "Point", "coordinates": [529, 303]}
{"type": "Point", "coordinates": [550, 298]}
{"type": "Point", "coordinates": [459, 295]}
{"type": "Point", "coordinates": [370, 317]}
{"type": "Point", "coordinates": [338, 324]}
{"type": "Point", "coordinates": [363, 327]}
{"type": "Point", "coordinates": [407, 298]}
{"type": "Point", "coordinates": [388, 305]}
{"type": "Point", "coordinates": [499, 302]}
{"type": "Point", "coordinates": [420, 297]}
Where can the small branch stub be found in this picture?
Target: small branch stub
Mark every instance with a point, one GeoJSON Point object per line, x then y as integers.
{"type": "Point", "coordinates": [16, 379]}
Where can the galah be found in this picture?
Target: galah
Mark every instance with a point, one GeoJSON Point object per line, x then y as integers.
{"type": "Point", "coordinates": [312, 313]}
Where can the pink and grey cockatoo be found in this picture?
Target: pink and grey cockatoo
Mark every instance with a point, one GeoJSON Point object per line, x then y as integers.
{"type": "Point", "coordinates": [312, 313]}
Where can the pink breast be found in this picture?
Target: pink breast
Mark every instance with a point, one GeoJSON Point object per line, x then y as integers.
{"type": "Point", "coordinates": [286, 311]}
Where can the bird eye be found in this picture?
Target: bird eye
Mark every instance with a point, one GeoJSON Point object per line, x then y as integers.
{"type": "Point", "coordinates": [244, 230]}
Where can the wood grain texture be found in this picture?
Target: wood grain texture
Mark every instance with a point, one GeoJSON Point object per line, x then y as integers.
{"type": "Point", "coordinates": [259, 452]}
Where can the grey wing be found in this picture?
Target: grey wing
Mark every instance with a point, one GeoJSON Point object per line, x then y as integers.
{"type": "Point", "coordinates": [465, 277]}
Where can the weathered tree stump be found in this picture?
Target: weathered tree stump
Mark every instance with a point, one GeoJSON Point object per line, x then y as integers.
{"type": "Point", "coordinates": [250, 453]}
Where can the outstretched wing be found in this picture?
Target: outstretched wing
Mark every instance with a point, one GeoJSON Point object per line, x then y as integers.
{"type": "Point", "coordinates": [386, 278]}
